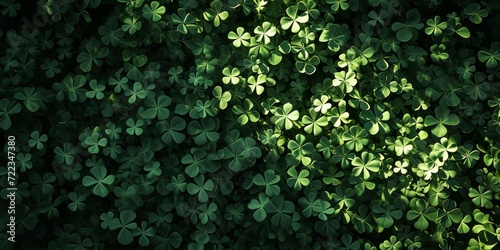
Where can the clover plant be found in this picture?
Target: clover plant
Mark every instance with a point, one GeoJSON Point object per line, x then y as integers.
{"type": "Point", "coordinates": [240, 124]}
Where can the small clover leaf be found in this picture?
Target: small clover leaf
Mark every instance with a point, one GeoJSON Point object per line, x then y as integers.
{"type": "Point", "coordinates": [421, 212]}
{"type": "Point", "coordinates": [134, 127]}
{"type": "Point", "coordinates": [222, 97]}
{"type": "Point", "coordinates": [240, 37]}
{"type": "Point", "coordinates": [97, 90]}
{"type": "Point", "coordinates": [356, 138]}
{"type": "Point", "coordinates": [436, 27]}
{"type": "Point", "coordinates": [93, 142]}
{"type": "Point", "coordinates": [246, 113]}
{"type": "Point", "coordinates": [37, 140]}
{"type": "Point", "coordinates": [231, 75]}
{"type": "Point", "coordinates": [126, 226]}
{"type": "Point", "coordinates": [203, 132]}
{"type": "Point", "coordinates": [131, 24]}
{"type": "Point", "coordinates": [94, 52]}
{"type": "Point", "coordinates": [185, 22]}
{"type": "Point", "coordinates": [145, 233]}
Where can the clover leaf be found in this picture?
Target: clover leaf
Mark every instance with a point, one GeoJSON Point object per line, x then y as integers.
{"type": "Point", "coordinates": [492, 56]}
{"type": "Point", "coordinates": [98, 180]}
{"type": "Point", "coordinates": [435, 26]}
{"type": "Point", "coordinates": [366, 164]}
{"type": "Point", "coordinates": [216, 13]}
{"type": "Point", "coordinates": [37, 140]}
{"type": "Point", "coordinates": [313, 123]}
{"type": "Point", "coordinates": [284, 117]}
{"type": "Point", "coordinates": [93, 143]}
{"type": "Point", "coordinates": [268, 181]}
{"type": "Point", "coordinates": [126, 225]}
{"type": "Point", "coordinates": [171, 130]}
{"type": "Point", "coordinates": [293, 20]}
{"type": "Point", "coordinates": [260, 207]}
{"type": "Point", "coordinates": [422, 213]}
{"type": "Point", "coordinates": [442, 118]}
{"type": "Point", "coordinates": [385, 214]}
{"type": "Point", "coordinates": [222, 97]}
{"type": "Point", "coordinates": [185, 21]}
{"type": "Point", "coordinates": [475, 13]}
{"type": "Point", "coordinates": [203, 132]}
{"type": "Point", "coordinates": [375, 120]}
{"type": "Point", "coordinates": [153, 11]}
{"type": "Point", "coordinates": [95, 51]}
{"type": "Point", "coordinates": [405, 31]}
{"type": "Point", "coordinates": [355, 138]}
{"type": "Point", "coordinates": [240, 37]}
{"type": "Point", "coordinates": [156, 108]}
{"type": "Point", "coordinates": [246, 113]}
{"type": "Point", "coordinates": [300, 149]}
{"type": "Point", "coordinates": [200, 187]}
{"type": "Point", "coordinates": [282, 210]}
{"type": "Point", "coordinates": [134, 127]}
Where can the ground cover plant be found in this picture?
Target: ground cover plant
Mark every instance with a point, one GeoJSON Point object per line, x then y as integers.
{"type": "Point", "coordinates": [252, 124]}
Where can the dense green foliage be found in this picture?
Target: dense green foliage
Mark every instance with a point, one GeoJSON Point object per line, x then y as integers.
{"type": "Point", "coordinates": [252, 124]}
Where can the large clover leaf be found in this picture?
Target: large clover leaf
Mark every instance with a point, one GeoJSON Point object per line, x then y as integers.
{"type": "Point", "coordinates": [442, 118]}
{"type": "Point", "coordinates": [98, 180]}
{"type": "Point", "coordinates": [405, 31]}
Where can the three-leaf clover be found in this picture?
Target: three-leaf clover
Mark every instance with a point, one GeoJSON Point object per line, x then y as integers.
{"type": "Point", "coordinates": [422, 213]}
{"type": "Point", "coordinates": [442, 118]}
{"type": "Point", "coordinates": [94, 52]}
{"type": "Point", "coordinates": [37, 140]}
{"type": "Point", "coordinates": [405, 31]}
{"type": "Point", "coordinates": [134, 127]}
{"type": "Point", "coordinates": [366, 164]}
{"type": "Point", "coordinates": [125, 224]}
{"type": "Point", "coordinates": [200, 187]}
{"type": "Point", "coordinates": [93, 142]}
{"type": "Point", "coordinates": [436, 27]}
{"type": "Point", "coordinates": [492, 56]}
{"type": "Point", "coordinates": [171, 130]}
{"type": "Point", "coordinates": [260, 207]}
{"type": "Point", "coordinates": [293, 19]}
{"type": "Point", "coordinates": [153, 11]}
{"type": "Point", "coordinates": [314, 122]}
{"type": "Point", "coordinates": [156, 108]}
{"type": "Point", "coordinates": [99, 180]}
{"type": "Point", "coordinates": [216, 13]}
{"type": "Point", "coordinates": [298, 180]}
{"type": "Point", "coordinates": [284, 117]}
{"type": "Point", "coordinates": [268, 181]}
{"type": "Point", "coordinates": [246, 113]}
